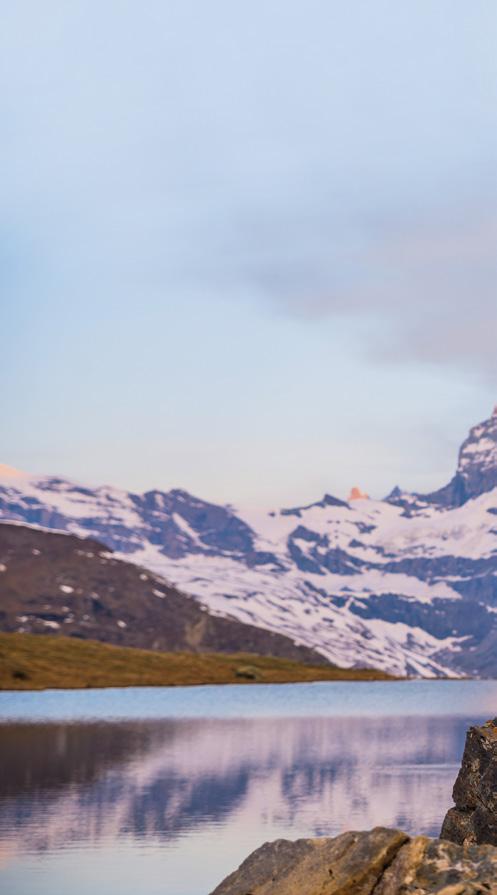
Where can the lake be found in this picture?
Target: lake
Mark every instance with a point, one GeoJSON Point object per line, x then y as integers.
{"type": "Point", "coordinates": [164, 791]}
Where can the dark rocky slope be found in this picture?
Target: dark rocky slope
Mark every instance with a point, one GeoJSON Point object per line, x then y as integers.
{"type": "Point", "coordinates": [474, 817]}
{"type": "Point", "coordinates": [377, 862]}
{"type": "Point", "coordinates": [61, 584]}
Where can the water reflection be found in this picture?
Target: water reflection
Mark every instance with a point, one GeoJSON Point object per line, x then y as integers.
{"type": "Point", "coordinates": [164, 783]}
{"type": "Point", "coordinates": [181, 798]}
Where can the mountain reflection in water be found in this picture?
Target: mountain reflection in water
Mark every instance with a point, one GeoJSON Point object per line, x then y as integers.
{"type": "Point", "coordinates": [164, 783]}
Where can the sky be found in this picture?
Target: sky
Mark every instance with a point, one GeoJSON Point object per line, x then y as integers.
{"type": "Point", "coordinates": [247, 249]}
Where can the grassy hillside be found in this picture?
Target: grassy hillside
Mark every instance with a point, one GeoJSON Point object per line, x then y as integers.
{"type": "Point", "coordinates": [34, 662]}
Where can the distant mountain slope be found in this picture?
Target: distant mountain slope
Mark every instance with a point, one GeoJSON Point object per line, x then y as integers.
{"type": "Point", "coordinates": [61, 584]}
{"type": "Point", "coordinates": [407, 584]}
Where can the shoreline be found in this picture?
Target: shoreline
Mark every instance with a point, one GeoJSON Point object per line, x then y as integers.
{"type": "Point", "coordinates": [34, 663]}
{"type": "Point", "coordinates": [256, 683]}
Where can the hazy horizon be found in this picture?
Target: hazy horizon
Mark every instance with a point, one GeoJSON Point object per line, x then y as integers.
{"type": "Point", "coordinates": [7, 471]}
{"type": "Point", "coordinates": [248, 252]}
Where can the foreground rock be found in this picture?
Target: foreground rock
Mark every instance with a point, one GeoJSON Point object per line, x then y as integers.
{"type": "Point", "coordinates": [376, 862]}
{"type": "Point", "coordinates": [474, 818]}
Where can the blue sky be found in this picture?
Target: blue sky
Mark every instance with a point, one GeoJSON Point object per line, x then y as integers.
{"type": "Point", "coordinates": [247, 249]}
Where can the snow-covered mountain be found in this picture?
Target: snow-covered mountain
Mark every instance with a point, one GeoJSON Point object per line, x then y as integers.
{"type": "Point", "coordinates": [407, 584]}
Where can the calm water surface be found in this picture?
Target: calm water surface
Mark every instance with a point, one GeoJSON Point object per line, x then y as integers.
{"type": "Point", "coordinates": [166, 790]}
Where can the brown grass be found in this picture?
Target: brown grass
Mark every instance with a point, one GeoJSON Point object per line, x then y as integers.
{"type": "Point", "coordinates": [39, 662]}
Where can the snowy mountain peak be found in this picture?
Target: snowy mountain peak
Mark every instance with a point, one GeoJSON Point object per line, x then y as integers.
{"type": "Point", "coordinates": [480, 447]}
{"type": "Point", "coordinates": [476, 472]}
{"type": "Point", "coordinates": [477, 463]}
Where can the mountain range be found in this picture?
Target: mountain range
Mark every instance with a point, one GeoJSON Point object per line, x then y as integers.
{"type": "Point", "coordinates": [407, 584]}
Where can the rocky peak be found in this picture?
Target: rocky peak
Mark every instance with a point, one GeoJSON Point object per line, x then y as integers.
{"type": "Point", "coordinates": [328, 500]}
{"type": "Point", "coordinates": [478, 456]}
{"type": "Point", "coordinates": [357, 494]}
{"type": "Point", "coordinates": [476, 468]}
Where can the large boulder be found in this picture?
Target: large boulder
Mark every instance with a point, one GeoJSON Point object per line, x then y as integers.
{"type": "Point", "coordinates": [376, 862]}
{"type": "Point", "coordinates": [474, 818]}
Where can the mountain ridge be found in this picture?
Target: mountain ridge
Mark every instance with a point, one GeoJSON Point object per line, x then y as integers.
{"type": "Point", "coordinates": [407, 584]}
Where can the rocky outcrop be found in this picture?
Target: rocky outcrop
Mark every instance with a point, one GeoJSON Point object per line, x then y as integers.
{"type": "Point", "coordinates": [357, 494]}
{"type": "Point", "coordinates": [474, 817]}
{"type": "Point", "coordinates": [376, 862]}
{"type": "Point", "coordinates": [476, 468]}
